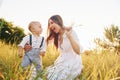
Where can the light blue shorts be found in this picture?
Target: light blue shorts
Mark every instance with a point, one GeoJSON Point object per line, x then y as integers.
{"type": "Point", "coordinates": [32, 57]}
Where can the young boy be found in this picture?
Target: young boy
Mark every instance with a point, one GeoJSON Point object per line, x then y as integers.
{"type": "Point", "coordinates": [38, 47]}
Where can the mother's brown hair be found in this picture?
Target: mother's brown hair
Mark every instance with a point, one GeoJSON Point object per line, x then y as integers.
{"type": "Point", "coordinates": [51, 34]}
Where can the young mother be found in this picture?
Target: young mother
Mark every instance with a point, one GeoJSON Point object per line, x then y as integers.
{"type": "Point", "coordinates": [69, 63]}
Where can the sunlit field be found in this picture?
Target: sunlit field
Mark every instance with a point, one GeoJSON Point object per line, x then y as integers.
{"type": "Point", "coordinates": [102, 65]}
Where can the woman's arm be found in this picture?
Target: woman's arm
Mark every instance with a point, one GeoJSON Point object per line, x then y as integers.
{"type": "Point", "coordinates": [74, 44]}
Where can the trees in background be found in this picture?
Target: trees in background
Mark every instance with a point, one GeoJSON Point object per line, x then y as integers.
{"type": "Point", "coordinates": [9, 33]}
{"type": "Point", "coordinates": [112, 39]}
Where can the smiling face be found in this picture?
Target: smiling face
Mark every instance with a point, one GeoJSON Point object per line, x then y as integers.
{"type": "Point", "coordinates": [53, 26]}
{"type": "Point", "coordinates": [55, 23]}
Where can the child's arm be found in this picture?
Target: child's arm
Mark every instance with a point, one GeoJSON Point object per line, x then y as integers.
{"type": "Point", "coordinates": [20, 53]}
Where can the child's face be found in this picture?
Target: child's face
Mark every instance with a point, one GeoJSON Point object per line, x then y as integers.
{"type": "Point", "coordinates": [36, 28]}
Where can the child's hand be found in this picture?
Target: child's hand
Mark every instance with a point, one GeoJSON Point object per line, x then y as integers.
{"type": "Point", "coordinates": [42, 53]}
{"type": "Point", "coordinates": [27, 47]}
{"type": "Point", "coordinates": [20, 55]}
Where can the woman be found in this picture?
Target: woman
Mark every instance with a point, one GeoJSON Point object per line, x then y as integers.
{"type": "Point", "coordinates": [69, 63]}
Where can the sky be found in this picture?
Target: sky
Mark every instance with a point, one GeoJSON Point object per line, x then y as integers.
{"type": "Point", "coordinates": [89, 17]}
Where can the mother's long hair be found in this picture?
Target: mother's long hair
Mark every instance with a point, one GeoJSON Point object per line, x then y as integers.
{"type": "Point", "coordinates": [51, 34]}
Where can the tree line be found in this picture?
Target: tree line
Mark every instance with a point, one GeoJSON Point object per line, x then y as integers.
{"type": "Point", "coordinates": [9, 33]}
{"type": "Point", "coordinates": [111, 40]}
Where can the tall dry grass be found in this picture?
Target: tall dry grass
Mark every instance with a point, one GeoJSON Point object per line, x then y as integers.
{"type": "Point", "coordinates": [102, 66]}
{"type": "Point", "coordinates": [10, 63]}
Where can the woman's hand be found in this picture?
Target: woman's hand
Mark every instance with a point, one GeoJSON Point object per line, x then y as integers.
{"type": "Point", "coordinates": [68, 28]}
{"type": "Point", "coordinates": [27, 47]}
{"type": "Point", "coordinates": [68, 32]}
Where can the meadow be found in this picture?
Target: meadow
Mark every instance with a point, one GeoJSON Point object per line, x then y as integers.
{"type": "Point", "coordinates": [98, 65]}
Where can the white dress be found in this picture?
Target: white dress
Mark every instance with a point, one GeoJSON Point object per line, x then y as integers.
{"type": "Point", "coordinates": [69, 64]}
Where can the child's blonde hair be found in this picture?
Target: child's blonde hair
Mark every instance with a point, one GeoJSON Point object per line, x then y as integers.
{"type": "Point", "coordinates": [32, 23]}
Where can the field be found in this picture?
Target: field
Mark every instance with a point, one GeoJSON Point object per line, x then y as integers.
{"type": "Point", "coordinates": [102, 65]}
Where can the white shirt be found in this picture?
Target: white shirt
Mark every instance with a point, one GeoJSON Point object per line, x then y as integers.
{"type": "Point", "coordinates": [36, 42]}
